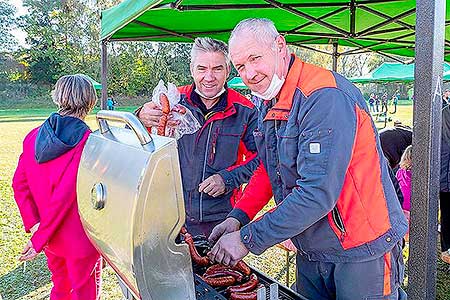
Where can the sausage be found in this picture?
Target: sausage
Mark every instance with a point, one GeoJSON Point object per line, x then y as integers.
{"type": "Point", "coordinates": [250, 285]}
{"type": "Point", "coordinates": [226, 272]}
{"type": "Point", "coordinates": [199, 260]}
{"type": "Point", "coordinates": [165, 107]}
{"type": "Point", "coordinates": [220, 281]}
{"type": "Point", "coordinates": [242, 267]}
{"type": "Point", "coordinates": [162, 125]}
{"type": "Point", "coordinates": [243, 296]}
{"type": "Point", "coordinates": [213, 269]}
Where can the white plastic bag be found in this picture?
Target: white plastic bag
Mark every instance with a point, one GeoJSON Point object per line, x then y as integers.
{"type": "Point", "coordinates": [186, 122]}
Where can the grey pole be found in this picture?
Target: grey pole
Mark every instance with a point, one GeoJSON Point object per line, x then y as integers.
{"type": "Point", "coordinates": [104, 71]}
{"type": "Point", "coordinates": [335, 56]}
{"type": "Point", "coordinates": [429, 56]}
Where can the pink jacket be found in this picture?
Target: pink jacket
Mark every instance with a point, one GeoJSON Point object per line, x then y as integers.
{"type": "Point", "coordinates": [404, 180]}
{"type": "Point", "coordinates": [45, 192]}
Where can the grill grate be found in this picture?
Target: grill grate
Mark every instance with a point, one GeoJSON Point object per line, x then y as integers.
{"type": "Point", "coordinates": [206, 292]}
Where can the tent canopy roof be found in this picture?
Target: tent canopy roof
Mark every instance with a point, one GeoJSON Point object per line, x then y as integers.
{"type": "Point", "coordinates": [96, 84]}
{"type": "Point", "coordinates": [387, 72]}
{"type": "Point", "coordinates": [385, 26]}
{"type": "Point", "coordinates": [236, 83]}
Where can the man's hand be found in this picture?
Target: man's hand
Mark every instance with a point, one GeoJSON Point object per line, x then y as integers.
{"type": "Point", "coordinates": [228, 250]}
{"type": "Point", "coordinates": [213, 186]}
{"type": "Point", "coordinates": [28, 252]}
{"type": "Point", "coordinates": [150, 115]}
{"type": "Point", "coordinates": [229, 225]}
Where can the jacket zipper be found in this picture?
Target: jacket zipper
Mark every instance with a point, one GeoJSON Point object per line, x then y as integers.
{"type": "Point", "coordinates": [204, 168]}
{"type": "Point", "coordinates": [337, 219]}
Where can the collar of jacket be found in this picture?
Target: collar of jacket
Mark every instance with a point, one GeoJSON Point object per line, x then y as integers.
{"type": "Point", "coordinates": [281, 109]}
{"type": "Point", "coordinates": [229, 109]}
{"type": "Point", "coordinates": [305, 77]}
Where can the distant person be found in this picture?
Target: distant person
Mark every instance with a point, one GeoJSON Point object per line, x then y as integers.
{"type": "Point", "coordinates": [45, 191]}
{"type": "Point", "coordinates": [446, 97]}
{"type": "Point", "coordinates": [384, 103]}
{"type": "Point", "coordinates": [395, 98]}
{"type": "Point", "coordinates": [404, 177]}
{"type": "Point", "coordinates": [377, 103]}
{"type": "Point", "coordinates": [110, 103]}
{"type": "Point", "coordinates": [394, 142]}
{"type": "Point", "coordinates": [444, 194]}
{"type": "Point", "coordinates": [372, 102]}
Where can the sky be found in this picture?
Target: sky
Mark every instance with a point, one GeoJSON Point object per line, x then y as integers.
{"type": "Point", "coordinates": [19, 34]}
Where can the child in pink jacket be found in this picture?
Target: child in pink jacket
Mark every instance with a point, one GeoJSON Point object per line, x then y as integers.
{"type": "Point", "coordinates": [45, 191]}
{"type": "Point", "coordinates": [404, 178]}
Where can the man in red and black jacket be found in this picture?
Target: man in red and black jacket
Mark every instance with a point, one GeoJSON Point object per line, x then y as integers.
{"type": "Point", "coordinates": [221, 156]}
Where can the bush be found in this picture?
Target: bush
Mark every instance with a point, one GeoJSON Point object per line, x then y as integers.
{"type": "Point", "coordinates": [24, 95]}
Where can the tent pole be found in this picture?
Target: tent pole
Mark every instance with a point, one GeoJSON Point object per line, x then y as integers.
{"type": "Point", "coordinates": [429, 46]}
{"type": "Point", "coordinates": [104, 75]}
{"type": "Point", "coordinates": [335, 56]}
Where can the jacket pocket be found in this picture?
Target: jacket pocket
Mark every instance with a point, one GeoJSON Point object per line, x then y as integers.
{"type": "Point", "coordinates": [223, 148]}
{"type": "Point", "coordinates": [315, 150]}
{"type": "Point", "coordinates": [339, 223]}
{"type": "Point", "coordinates": [288, 156]}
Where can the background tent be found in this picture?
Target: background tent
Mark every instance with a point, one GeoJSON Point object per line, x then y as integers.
{"type": "Point", "coordinates": [388, 72]}
{"type": "Point", "coordinates": [236, 83]}
{"type": "Point", "coordinates": [96, 84]}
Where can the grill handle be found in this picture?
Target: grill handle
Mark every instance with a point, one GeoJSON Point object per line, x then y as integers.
{"type": "Point", "coordinates": [130, 120]}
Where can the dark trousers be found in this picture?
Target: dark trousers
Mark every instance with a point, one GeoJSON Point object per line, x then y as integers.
{"type": "Point", "coordinates": [444, 199]}
{"type": "Point", "coordinates": [380, 278]}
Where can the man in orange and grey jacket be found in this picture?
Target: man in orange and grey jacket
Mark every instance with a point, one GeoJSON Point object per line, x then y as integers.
{"type": "Point", "coordinates": [329, 178]}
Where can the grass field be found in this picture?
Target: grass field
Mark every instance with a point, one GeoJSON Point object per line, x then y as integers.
{"type": "Point", "coordinates": [32, 281]}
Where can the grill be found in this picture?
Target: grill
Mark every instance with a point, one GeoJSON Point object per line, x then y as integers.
{"type": "Point", "coordinates": [131, 205]}
{"type": "Point", "coordinates": [269, 288]}
{"type": "Point", "coordinates": [205, 292]}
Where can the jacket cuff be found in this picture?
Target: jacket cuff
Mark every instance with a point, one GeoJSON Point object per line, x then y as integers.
{"type": "Point", "coordinates": [239, 215]}
{"type": "Point", "coordinates": [28, 224]}
{"type": "Point", "coordinates": [248, 240]}
{"type": "Point", "coordinates": [38, 243]}
{"type": "Point", "coordinates": [137, 111]}
{"type": "Point", "coordinates": [227, 179]}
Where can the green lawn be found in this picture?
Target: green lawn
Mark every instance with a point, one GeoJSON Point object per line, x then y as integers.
{"type": "Point", "coordinates": [33, 280]}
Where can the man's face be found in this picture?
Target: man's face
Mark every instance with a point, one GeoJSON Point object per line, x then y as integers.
{"type": "Point", "coordinates": [209, 70]}
{"type": "Point", "coordinates": [257, 62]}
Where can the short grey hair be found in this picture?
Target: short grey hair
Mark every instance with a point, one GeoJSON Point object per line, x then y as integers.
{"type": "Point", "coordinates": [262, 29]}
{"type": "Point", "coordinates": [75, 95]}
{"type": "Point", "coordinates": [206, 44]}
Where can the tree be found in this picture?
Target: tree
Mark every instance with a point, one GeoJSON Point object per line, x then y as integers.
{"type": "Point", "coordinates": [7, 21]}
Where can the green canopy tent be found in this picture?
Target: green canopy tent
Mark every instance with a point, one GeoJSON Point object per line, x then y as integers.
{"type": "Point", "coordinates": [236, 83]}
{"type": "Point", "coordinates": [383, 26]}
{"type": "Point", "coordinates": [389, 72]}
{"type": "Point", "coordinates": [97, 85]}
